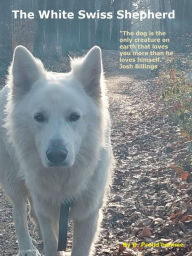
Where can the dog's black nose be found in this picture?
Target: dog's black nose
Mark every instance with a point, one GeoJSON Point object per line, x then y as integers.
{"type": "Point", "coordinates": [57, 156]}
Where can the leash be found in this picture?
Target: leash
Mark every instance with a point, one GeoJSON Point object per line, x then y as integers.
{"type": "Point", "coordinates": [63, 223]}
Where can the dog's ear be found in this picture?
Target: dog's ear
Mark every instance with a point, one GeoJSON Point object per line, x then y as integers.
{"type": "Point", "coordinates": [25, 69]}
{"type": "Point", "coordinates": [88, 70]}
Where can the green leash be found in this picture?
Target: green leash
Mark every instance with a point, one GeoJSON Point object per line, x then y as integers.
{"type": "Point", "coordinates": [63, 224]}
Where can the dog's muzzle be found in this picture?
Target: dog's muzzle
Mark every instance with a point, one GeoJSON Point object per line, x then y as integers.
{"type": "Point", "coordinates": [56, 154]}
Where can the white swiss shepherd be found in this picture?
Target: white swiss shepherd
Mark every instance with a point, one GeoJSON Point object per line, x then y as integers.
{"type": "Point", "coordinates": [54, 145]}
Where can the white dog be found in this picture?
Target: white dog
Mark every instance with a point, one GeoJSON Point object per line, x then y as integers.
{"type": "Point", "coordinates": [55, 148]}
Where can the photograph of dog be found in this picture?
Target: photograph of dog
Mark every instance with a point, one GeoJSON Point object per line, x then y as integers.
{"type": "Point", "coordinates": [55, 148]}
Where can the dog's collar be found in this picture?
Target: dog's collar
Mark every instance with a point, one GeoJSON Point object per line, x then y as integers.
{"type": "Point", "coordinates": [63, 223]}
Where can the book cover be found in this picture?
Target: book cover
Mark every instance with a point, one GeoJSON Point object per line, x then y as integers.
{"type": "Point", "coordinates": [63, 65]}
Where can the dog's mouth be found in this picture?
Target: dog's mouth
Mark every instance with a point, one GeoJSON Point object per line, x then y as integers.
{"type": "Point", "coordinates": [52, 165]}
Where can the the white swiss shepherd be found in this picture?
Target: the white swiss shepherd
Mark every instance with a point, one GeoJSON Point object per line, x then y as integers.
{"type": "Point", "coordinates": [54, 144]}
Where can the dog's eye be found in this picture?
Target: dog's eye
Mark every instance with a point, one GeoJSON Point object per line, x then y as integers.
{"type": "Point", "coordinates": [74, 117]}
{"type": "Point", "coordinates": [39, 117]}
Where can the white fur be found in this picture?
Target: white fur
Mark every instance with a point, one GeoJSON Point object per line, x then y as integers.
{"type": "Point", "coordinates": [24, 168]}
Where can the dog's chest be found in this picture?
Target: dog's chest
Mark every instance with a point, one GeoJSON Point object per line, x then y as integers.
{"type": "Point", "coordinates": [58, 187]}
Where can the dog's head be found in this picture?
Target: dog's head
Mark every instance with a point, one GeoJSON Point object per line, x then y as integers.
{"type": "Point", "coordinates": [54, 112]}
